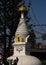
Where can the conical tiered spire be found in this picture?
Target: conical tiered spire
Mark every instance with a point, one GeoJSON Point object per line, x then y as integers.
{"type": "Point", "coordinates": [22, 28]}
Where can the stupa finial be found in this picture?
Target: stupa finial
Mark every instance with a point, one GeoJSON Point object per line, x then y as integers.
{"type": "Point", "coordinates": [22, 8]}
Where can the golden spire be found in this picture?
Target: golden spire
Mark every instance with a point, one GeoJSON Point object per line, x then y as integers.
{"type": "Point", "coordinates": [22, 8]}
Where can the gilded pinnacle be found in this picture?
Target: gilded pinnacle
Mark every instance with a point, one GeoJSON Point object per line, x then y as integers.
{"type": "Point", "coordinates": [22, 8]}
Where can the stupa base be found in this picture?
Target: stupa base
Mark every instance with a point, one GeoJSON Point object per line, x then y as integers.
{"type": "Point", "coordinates": [25, 60]}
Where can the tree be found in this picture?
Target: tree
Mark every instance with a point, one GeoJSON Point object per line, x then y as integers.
{"type": "Point", "coordinates": [9, 20]}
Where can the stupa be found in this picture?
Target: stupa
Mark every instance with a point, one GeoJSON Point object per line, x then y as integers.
{"type": "Point", "coordinates": [21, 55]}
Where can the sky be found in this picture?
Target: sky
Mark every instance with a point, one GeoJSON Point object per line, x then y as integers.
{"type": "Point", "coordinates": [39, 8]}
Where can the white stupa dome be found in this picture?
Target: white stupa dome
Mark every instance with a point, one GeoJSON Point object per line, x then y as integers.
{"type": "Point", "coordinates": [28, 60]}
{"type": "Point", "coordinates": [22, 28]}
